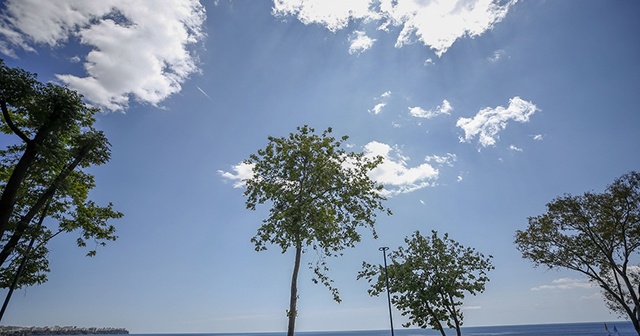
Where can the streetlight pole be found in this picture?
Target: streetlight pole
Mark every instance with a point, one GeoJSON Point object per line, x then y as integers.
{"type": "Point", "coordinates": [386, 276]}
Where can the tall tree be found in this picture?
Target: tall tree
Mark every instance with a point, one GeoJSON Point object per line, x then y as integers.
{"type": "Point", "coordinates": [429, 278]}
{"type": "Point", "coordinates": [597, 235]}
{"type": "Point", "coordinates": [320, 195]}
{"type": "Point", "coordinates": [43, 172]}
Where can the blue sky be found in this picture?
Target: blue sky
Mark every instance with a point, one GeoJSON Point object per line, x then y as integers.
{"type": "Point", "coordinates": [484, 111]}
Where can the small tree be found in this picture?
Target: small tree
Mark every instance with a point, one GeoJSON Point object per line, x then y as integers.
{"type": "Point", "coordinates": [42, 173]}
{"type": "Point", "coordinates": [597, 235]}
{"type": "Point", "coordinates": [429, 278]}
{"type": "Point", "coordinates": [320, 196]}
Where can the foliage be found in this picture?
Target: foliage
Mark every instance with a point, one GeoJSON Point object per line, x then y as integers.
{"type": "Point", "coordinates": [597, 235]}
{"type": "Point", "coordinates": [429, 278]}
{"type": "Point", "coordinates": [320, 195]}
{"type": "Point", "coordinates": [43, 169]}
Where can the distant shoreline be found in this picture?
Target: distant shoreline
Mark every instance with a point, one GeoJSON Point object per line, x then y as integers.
{"type": "Point", "coordinates": [56, 330]}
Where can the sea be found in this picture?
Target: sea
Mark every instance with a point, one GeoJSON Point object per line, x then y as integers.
{"type": "Point", "coordinates": [561, 329]}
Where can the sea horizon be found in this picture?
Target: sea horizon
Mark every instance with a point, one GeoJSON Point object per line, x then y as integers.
{"type": "Point", "coordinates": [623, 328]}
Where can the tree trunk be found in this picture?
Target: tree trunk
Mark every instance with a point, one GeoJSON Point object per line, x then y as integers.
{"type": "Point", "coordinates": [22, 225]}
{"type": "Point", "coordinates": [293, 301]}
{"type": "Point", "coordinates": [636, 321]}
{"type": "Point", "coordinates": [25, 258]}
{"type": "Point", "coordinates": [439, 326]}
{"type": "Point", "coordinates": [8, 198]}
{"type": "Point", "coordinates": [454, 314]}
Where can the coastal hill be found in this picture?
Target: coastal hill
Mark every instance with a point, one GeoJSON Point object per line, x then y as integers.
{"type": "Point", "coordinates": [56, 330]}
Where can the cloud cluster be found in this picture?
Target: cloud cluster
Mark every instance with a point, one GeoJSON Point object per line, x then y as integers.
{"type": "Point", "coordinates": [394, 172]}
{"type": "Point", "coordinates": [436, 24]}
{"type": "Point", "coordinates": [138, 49]}
{"type": "Point", "coordinates": [488, 122]}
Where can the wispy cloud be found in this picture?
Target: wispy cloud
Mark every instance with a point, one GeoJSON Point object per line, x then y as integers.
{"type": "Point", "coordinates": [447, 159]}
{"type": "Point", "coordinates": [384, 98]}
{"type": "Point", "coordinates": [514, 148]}
{"type": "Point", "coordinates": [565, 284]}
{"type": "Point", "coordinates": [204, 93]}
{"type": "Point", "coordinates": [360, 42]}
{"type": "Point", "coordinates": [436, 24]}
{"type": "Point", "coordinates": [471, 307]}
{"type": "Point", "coordinates": [137, 49]}
{"type": "Point", "coordinates": [419, 112]}
{"type": "Point", "coordinates": [497, 55]}
{"type": "Point", "coordinates": [488, 122]}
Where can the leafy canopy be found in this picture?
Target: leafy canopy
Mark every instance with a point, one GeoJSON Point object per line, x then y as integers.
{"type": "Point", "coordinates": [320, 195]}
{"type": "Point", "coordinates": [51, 141]}
{"type": "Point", "coordinates": [597, 235]}
{"type": "Point", "coordinates": [428, 279]}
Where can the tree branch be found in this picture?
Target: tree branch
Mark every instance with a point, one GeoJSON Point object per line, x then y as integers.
{"type": "Point", "coordinates": [12, 126]}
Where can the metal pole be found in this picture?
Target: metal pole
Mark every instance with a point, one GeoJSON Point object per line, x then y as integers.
{"type": "Point", "coordinates": [386, 276]}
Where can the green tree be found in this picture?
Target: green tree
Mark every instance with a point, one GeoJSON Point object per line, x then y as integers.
{"type": "Point", "coordinates": [597, 235]}
{"type": "Point", "coordinates": [51, 141]}
{"type": "Point", "coordinates": [429, 278]}
{"type": "Point", "coordinates": [320, 195]}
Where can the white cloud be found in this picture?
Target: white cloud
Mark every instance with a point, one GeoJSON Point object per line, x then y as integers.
{"type": "Point", "coordinates": [138, 49]}
{"type": "Point", "coordinates": [384, 98]}
{"type": "Point", "coordinates": [490, 121]}
{"type": "Point", "coordinates": [436, 24]}
{"type": "Point", "coordinates": [240, 172]}
{"type": "Point", "coordinates": [333, 14]}
{"type": "Point", "coordinates": [565, 284]}
{"type": "Point", "coordinates": [444, 108]}
{"type": "Point", "coordinates": [394, 172]}
{"type": "Point", "coordinates": [378, 108]}
{"type": "Point", "coordinates": [514, 148]}
{"type": "Point", "coordinates": [360, 42]}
